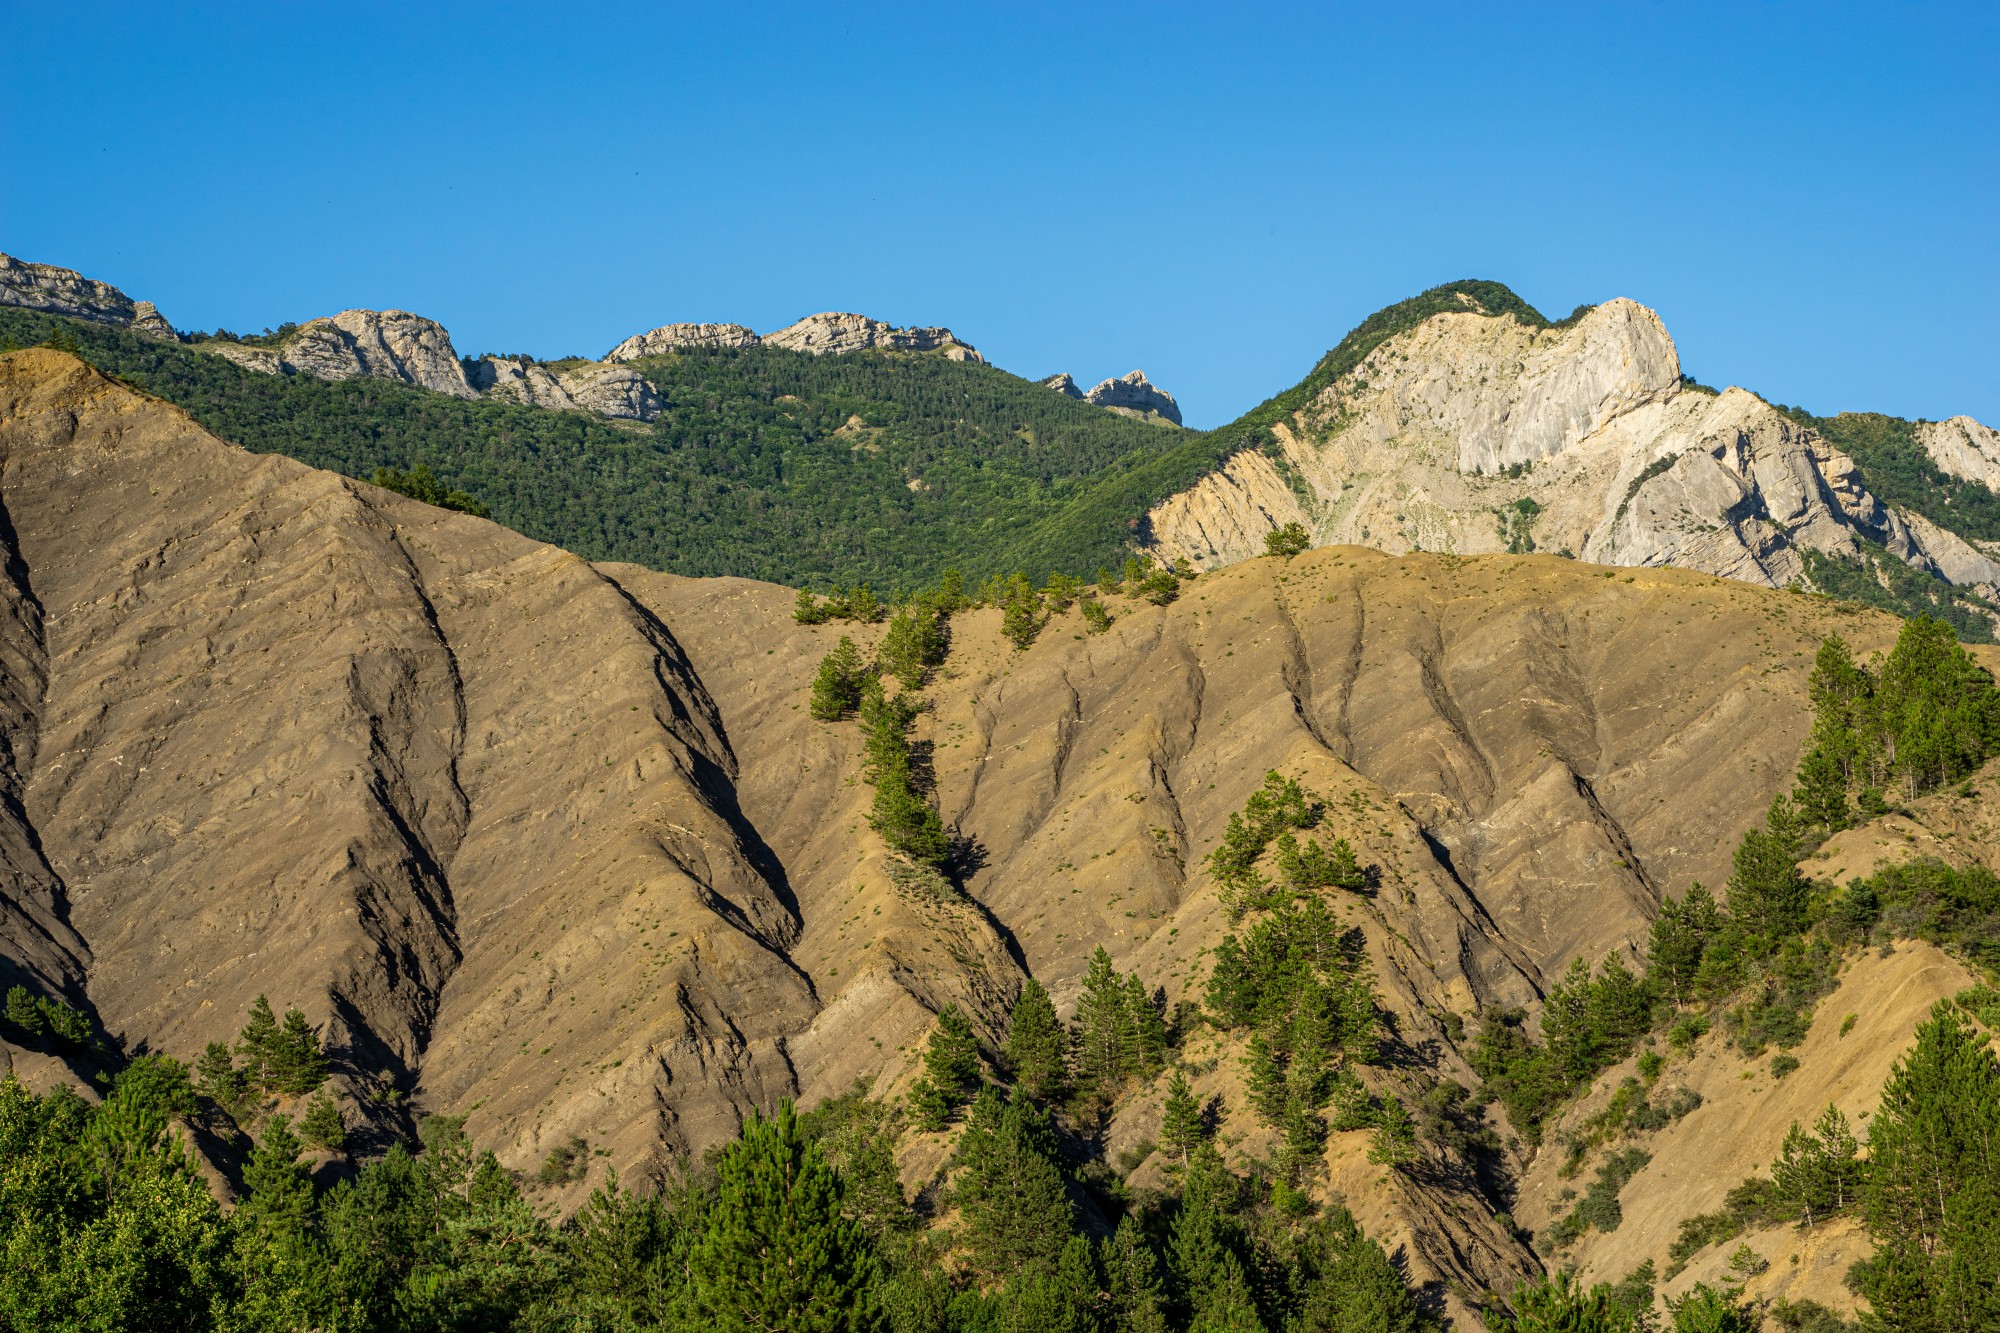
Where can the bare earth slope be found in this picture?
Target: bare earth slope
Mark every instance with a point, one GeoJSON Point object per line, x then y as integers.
{"type": "Point", "coordinates": [558, 847]}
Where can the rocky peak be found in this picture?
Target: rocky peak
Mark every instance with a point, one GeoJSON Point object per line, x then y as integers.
{"type": "Point", "coordinates": [844, 332]}
{"type": "Point", "coordinates": [1063, 384]}
{"type": "Point", "coordinates": [673, 337]}
{"type": "Point", "coordinates": [385, 344]}
{"type": "Point", "coordinates": [1962, 447]}
{"type": "Point", "coordinates": [1135, 396]}
{"type": "Point", "coordinates": [62, 291]}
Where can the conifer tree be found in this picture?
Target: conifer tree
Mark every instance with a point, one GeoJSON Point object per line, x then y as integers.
{"type": "Point", "coordinates": [217, 1078]}
{"type": "Point", "coordinates": [1768, 896]}
{"type": "Point", "coordinates": [777, 1251]}
{"type": "Point", "coordinates": [1131, 1281]}
{"type": "Point", "coordinates": [1207, 1250]}
{"type": "Point", "coordinates": [257, 1044]}
{"type": "Point", "coordinates": [1287, 541]}
{"type": "Point", "coordinates": [1010, 1189]}
{"type": "Point", "coordinates": [836, 690]}
{"type": "Point", "coordinates": [1680, 935]}
{"type": "Point", "coordinates": [321, 1126]}
{"type": "Point", "coordinates": [1020, 612]}
{"type": "Point", "coordinates": [806, 610]}
{"type": "Point", "coordinates": [1821, 793]}
{"type": "Point", "coordinates": [951, 1070]}
{"type": "Point", "coordinates": [1394, 1142]}
{"type": "Point", "coordinates": [22, 1014]}
{"type": "Point", "coordinates": [1932, 1198]}
{"type": "Point", "coordinates": [1035, 1044]}
{"type": "Point", "coordinates": [913, 644]}
{"type": "Point", "coordinates": [277, 1256]}
{"type": "Point", "coordinates": [1560, 1304]}
{"type": "Point", "coordinates": [1182, 1129]}
{"type": "Point", "coordinates": [1101, 1043]}
{"type": "Point", "coordinates": [1347, 1284]}
{"type": "Point", "coordinates": [295, 1064]}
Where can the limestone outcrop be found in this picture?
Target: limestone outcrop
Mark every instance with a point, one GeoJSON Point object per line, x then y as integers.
{"type": "Point", "coordinates": [1064, 384]}
{"type": "Point", "coordinates": [1472, 433]}
{"type": "Point", "coordinates": [618, 392]}
{"type": "Point", "coordinates": [1962, 447]}
{"type": "Point", "coordinates": [61, 291]}
{"type": "Point", "coordinates": [836, 332]}
{"type": "Point", "coordinates": [1135, 396]}
{"type": "Point", "coordinates": [674, 337]}
{"type": "Point", "coordinates": [386, 344]}
{"type": "Point", "coordinates": [527, 382]}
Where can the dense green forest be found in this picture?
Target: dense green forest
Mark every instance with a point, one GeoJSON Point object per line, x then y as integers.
{"type": "Point", "coordinates": [867, 468]}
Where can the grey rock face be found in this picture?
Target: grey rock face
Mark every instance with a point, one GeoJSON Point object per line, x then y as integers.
{"type": "Point", "coordinates": [618, 392]}
{"type": "Point", "coordinates": [839, 332]}
{"type": "Point", "coordinates": [1063, 384]}
{"type": "Point", "coordinates": [1471, 434]}
{"type": "Point", "coordinates": [1135, 395]}
{"type": "Point", "coordinates": [385, 344]}
{"type": "Point", "coordinates": [672, 337]}
{"type": "Point", "coordinates": [1961, 447]}
{"type": "Point", "coordinates": [521, 381]}
{"type": "Point", "coordinates": [61, 291]}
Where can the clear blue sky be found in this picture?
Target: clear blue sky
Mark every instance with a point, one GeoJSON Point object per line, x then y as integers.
{"type": "Point", "coordinates": [1807, 193]}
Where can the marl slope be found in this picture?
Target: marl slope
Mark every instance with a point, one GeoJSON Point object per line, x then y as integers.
{"type": "Point", "coordinates": [557, 846]}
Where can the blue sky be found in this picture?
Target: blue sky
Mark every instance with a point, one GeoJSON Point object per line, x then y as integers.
{"type": "Point", "coordinates": [1807, 193]}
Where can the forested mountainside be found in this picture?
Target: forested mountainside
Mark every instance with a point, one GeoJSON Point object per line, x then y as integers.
{"type": "Point", "coordinates": [411, 924]}
{"type": "Point", "coordinates": [843, 451]}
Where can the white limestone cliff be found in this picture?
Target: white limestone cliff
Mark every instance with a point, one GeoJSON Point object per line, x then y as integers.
{"type": "Point", "coordinates": [1472, 433]}
{"type": "Point", "coordinates": [1134, 395]}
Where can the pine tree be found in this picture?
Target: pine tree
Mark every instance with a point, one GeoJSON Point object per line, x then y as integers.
{"type": "Point", "coordinates": [1102, 1057]}
{"type": "Point", "coordinates": [1132, 1282]}
{"type": "Point", "coordinates": [807, 610]}
{"type": "Point", "coordinates": [22, 1014]}
{"type": "Point", "coordinates": [913, 644]}
{"type": "Point", "coordinates": [1144, 1035]}
{"type": "Point", "coordinates": [1010, 1188]}
{"type": "Point", "coordinates": [321, 1126]}
{"type": "Point", "coordinates": [279, 1192]}
{"type": "Point", "coordinates": [1706, 1310]}
{"type": "Point", "coordinates": [257, 1044]}
{"type": "Point", "coordinates": [1207, 1250]}
{"type": "Point", "coordinates": [1821, 794]}
{"type": "Point", "coordinates": [1681, 933]}
{"type": "Point", "coordinates": [278, 1256]}
{"type": "Point", "coordinates": [1560, 1304]}
{"type": "Point", "coordinates": [1767, 895]}
{"type": "Point", "coordinates": [1347, 1284]}
{"type": "Point", "coordinates": [951, 1070]}
{"type": "Point", "coordinates": [1020, 612]}
{"type": "Point", "coordinates": [1035, 1045]}
{"type": "Point", "coordinates": [1182, 1128]}
{"type": "Point", "coordinates": [1932, 1198]}
{"type": "Point", "coordinates": [1287, 541]}
{"type": "Point", "coordinates": [1394, 1142]}
{"type": "Point", "coordinates": [836, 690]}
{"type": "Point", "coordinates": [295, 1065]}
{"type": "Point", "coordinates": [1818, 1174]}
{"type": "Point", "coordinates": [777, 1251]}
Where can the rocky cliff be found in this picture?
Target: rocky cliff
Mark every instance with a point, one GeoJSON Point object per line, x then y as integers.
{"type": "Point", "coordinates": [61, 291]}
{"type": "Point", "coordinates": [1476, 433]}
{"type": "Point", "coordinates": [1064, 384]}
{"type": "Point", "coordinates": [835, 332]}
{"type": "Point", "coordinates": [1962, 447]}
{"type": "Point", "coordinates": [674, 337]}
{"type": "Point", "coordinates": [1134, 395]}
